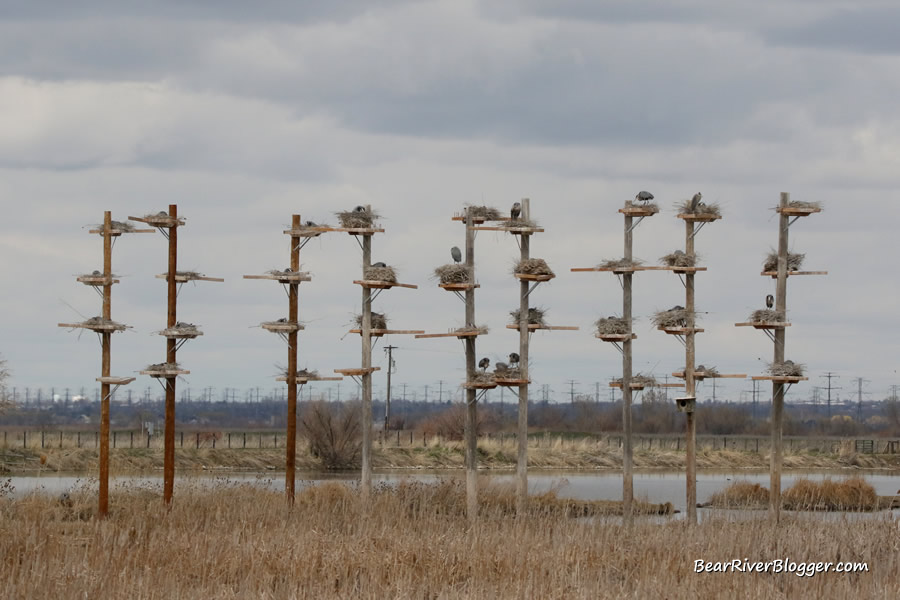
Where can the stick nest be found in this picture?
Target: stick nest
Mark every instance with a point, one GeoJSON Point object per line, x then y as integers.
{"type": "Point", "coordinates": [707, 371]}
{"type": "Point", "coordinates": [103, 323]}
{"type": "Point", "coordinates": [163, 367]}
{"type": "Point", "coordinates": [794, 261]}
{"type": "Point", "coordinates": [353, 219]}
{"type": "Point", "coordinates": [479, 329]}
{"type": "Point", "coordinates": [612, 326]}
{"type": "Point", "coordinates": [189, 275]}
{"type": "Point", "coordinates": [160, 219]}
{"type": "Point", "coordinates": [482, 377]}
{"type": "Point", "coordinates": [117, 226]}
{"type": "Point", "coordinates": [801, 204]}
{"type": "Point", "coordinates": [385, 274]}
{"type": "Point", "coordinates": [452, 273]}
{"type": "Point", "coordinates": [787, 368]}
{"type": "Point", "coordinates": [287, 273]}
{"type": "Point", "coordinates": [653, 207]}
{"type": "Point", "coordinates": [703, 209]}
{"type": "Point", "coordinates": [767, 315]}
{"type": "Point", "coordinates": [182, 328]}
{"type": "Point", "coordinates": [533, 266]}
{"type": "Point", "coordinates": [503, 371]}
{"type": "Point", "coordinates": [679, 259]}
{"type": "Point", "coordinates": [535, 316]}
{"type": "Point", "coordinates": [379, 321]}
{"type": "Point", "coordinates": [312, 225]}
{"type": "Point", "coordinates": [488, 213]}
{"type": "Point", "coordinates": [620, 263]}
{"type": "Point", "coordinates": [303, 373]}
{"type": "Point", "coordinates": [639, 379]}
{"type": "Point", "coordinates": [521, 222]}
{"type": "Point", "coordinates": [674, 317]}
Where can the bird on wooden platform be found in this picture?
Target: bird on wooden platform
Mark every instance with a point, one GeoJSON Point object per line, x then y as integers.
{"type": "Point", "coordinates": [515, 211]}
{"type": "Point", "coordinates": [770, 301]}
{"type": "Point", "coordinates": [700, 368]}
{"type": "Point", "coordinates": [456, 254]}
{"type": "Point", "coordinates": [484, 363]}
{"type": "Point", "coordinates": [695, 202]}
{"type": "Point", "coordinates": [282, 320]}
{"type": "Point", "coordinates": [97, 273]}
{"type": "Point", "coordinates": [644, 196]}
{"type": "Point", "coordinates": [379, 264]}
{"type": "Point", "coordinates": [513, 358]}
{"type": "Point", "coordinates": [311, 224]}
{"type": "Point", "coordinates": [501, 367]}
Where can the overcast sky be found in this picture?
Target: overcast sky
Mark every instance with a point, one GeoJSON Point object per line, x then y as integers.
{"type": "Point", "coordinates": [245, 113]}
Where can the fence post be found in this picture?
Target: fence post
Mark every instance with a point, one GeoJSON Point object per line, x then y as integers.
{"type": "Point", "coordinates": [245, 439]}
{"type": "Point", "coordinates": [115, 433]}
{"type": "Point", "coordinates": [131, 435]}
{"type": "Point", "coordinates": [79, 440]}
{"type": "Point", "coordinates": [398, 437]}
{"type": "Point", "coordinates": [276, 440]}
{"type": "Point", "coordinates": [214, 440]}
{"type": "Point", "coordinates": [96, 440]}
{"type": "Point", "coordinates": [42, 439]}
{"type": "Point", "coordinates": [182, 439]}
{"type": "Point", "coordinates": [60, 440]}
{"type": "Point", "coordinates": [24, 439]}
{"type": "Point", "coordinates": [148, 439]}
{"type": "Point", "coordinates": [198, 441]}
{"type": "Point", "coordinates": [229, 440]}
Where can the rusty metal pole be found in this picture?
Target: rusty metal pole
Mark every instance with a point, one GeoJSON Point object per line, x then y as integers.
{"type": "Point", "coordinates": [689, 382]}
{"type": "Point", "coordinates": [522, 457]}
{"type": "Point", "coordinates": [172, 295]}
{"type": "Point", "coordinates": [627, 451]}
{"type": "Point", "coordinates": [106, 337]}
{"type": "Point", "coordinates": [366, 477]}
{"type": "Point", "coordinates": [777, 386]}
{"type": "Point", "coordinates": [471, 422]}
{"type": "Point", "coordinates": [293, 291]}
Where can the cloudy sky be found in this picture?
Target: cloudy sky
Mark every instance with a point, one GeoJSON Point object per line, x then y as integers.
{"type": "Point", "coordinates": [245, 113]}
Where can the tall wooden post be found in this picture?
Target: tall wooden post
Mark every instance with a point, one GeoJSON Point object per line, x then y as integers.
{"type": "Point", "coordinates": [171, 348]}
{"type": "Point", "coordinates": [471, 393]}
{"type": "Point", "coordinates": [293, 291]}
{"type": "Point", "coordinates": [690, 384]}
{"type": "Point", "coordinates": [106, 340]}
{"type": "Point", "coordinates": [366, 477]}
{"type": "Point", "coordinates": [627, 454]}
{"type": "Point", "coordinates": [778, 386]}
{"type": "Point", "coordinates": [522, 457]}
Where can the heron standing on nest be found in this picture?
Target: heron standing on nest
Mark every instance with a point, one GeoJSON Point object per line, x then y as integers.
{"type": "Point", "coordinates": [644, 196]}
{"type": "Point", "coordinates": [456, 255]}
{"type": "Point", "coordinates": [484, 363]}
{"type": "Point", "coordinates": [513, 358]}
{"type": "Point", "coordinates": [770, 301]}
{"type": "Point", "coordinates": [515, 211]}
{"type": "Point", "coordinates": [379, 264]}
{"type": "Point", "coordinates": [695, 202]}
{"type": "Point", "coordinates": [359, 209]}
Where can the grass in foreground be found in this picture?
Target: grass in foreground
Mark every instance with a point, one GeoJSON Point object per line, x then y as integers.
{"type": "Point", "coordinates": [239, 541]}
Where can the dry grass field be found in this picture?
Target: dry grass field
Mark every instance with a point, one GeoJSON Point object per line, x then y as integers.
{"type": "Point", "coordinates": [238, 541]}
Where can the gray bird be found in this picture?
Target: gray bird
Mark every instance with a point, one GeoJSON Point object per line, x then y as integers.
{"type": "Point", "coordinates": [770, 301]}
{"type": "Point", "coordinates": [379, 264]}
{"type": "Point", "coordinates": [515, 211]}
{"type": "Point", "coordinates": [677, 307]}
{"type": "Point", "coordinates": [311, 224]}
{"type": "Point", "coordinates": [282, 320]}
{"type": "Point", "coordinates": [484, 363]}
{"type": "Point", "coordinates": [456, 254]}
{"type": "Point", "coordinates": [64, 500]}
{"type": "Point", "coordinates": [700, 368]}
{"type": "Point", "coordinates": [501, 367]}
{"type": "Point", "coordinates": [359, 209]}
{"type": "Point", "coordinates": [695, 202]}
{"type": "Point", "coordinates": [644, 196]}
{"type": "Point", "coordinates": [97, 273]}
{"type": "Point", "coordinates": [513, 358]}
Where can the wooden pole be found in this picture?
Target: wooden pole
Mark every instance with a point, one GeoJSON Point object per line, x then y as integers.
{"type": "Point", "coordinates": [171, 319]}
{"type": "Point", "coordinates": [293, 290]}
{"type": "Point", "coordinates": [627, 474]}
{"type": "Point", "coordinates": [777, 386]}
{"type": "Point", "coordinates": [106, 340]}
{"type": "Point", "coordinates": [690, 384]}
{"type": "Point", "coordinates": [522, 457]}
{"type": "Point", "coordinates": [366, 477]}
{"type": "Point", "coordinates": [471, 407]}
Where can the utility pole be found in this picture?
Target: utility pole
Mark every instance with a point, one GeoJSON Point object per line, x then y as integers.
{"type": "Point", "coordinates": [387, 401]}
{"type": "Point", "coordinates": [571, 383]}
{"type": "Point", "coordinates": [829, 375]}
{"type": "Point", "coordinates": [859, 383]}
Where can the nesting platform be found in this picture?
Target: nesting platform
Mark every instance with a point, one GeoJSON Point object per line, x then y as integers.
{"type": "Point", "coordinates": [617, 270]}
{"type": "Point", "coordinates": [302, 380]}
{"type": "Point", "coordinates": [160, 220]}
{"type": "Point", "coordinates": [774, 274]}
{"type": "Point", "coordinates": [350, 230]}
{"type": "Point", "coordinates": [779, 378]}
{"type": "Point", "coordinates": [456, 334]}
{"type": "Point", "coordinates": [381, 332]}
{"type": "Point", "coordinates": [96, 280]}
{"type": "Point", "coordinates": [534, 327]}
{"type": "Point", "coordinates": [513, 230]}
{"type": "Point", "coordinates": [639, 211]}
{"type": "Point", "coordinates": [640, 386]}
{"type": "Point", "coordinates": [173, 333]}
{"type": "Point", "coordinates": [798, 211]}
{"type": "Point", "coordinates": [357, 371]}
{"type": "Point", "coordinates": [685, 270]}
{"type": "Point", "coordinates": [98, 327]}
{"type": "Point", "coordinates": [701, 375]}
{"type": "Point", "coordinates": [297, 277]}
{"type": "Point", "coordinates": [310, 231]}
{"type": "Point", "coordinates": [681, 330]}
{"type": "Point", "coordinates": [115, 380]}
{"type": "Point", "coordinates": [383, 285]}
{"type": "Point", "coordinates": [167, 373]}
{"type": "Point", "coordinates": [282, 327]}
{"type": "Point", "coordinates": [763, 325]}
{"type": "Point", "coordinates": [459, 287]}
{"type": "Point", "coordinates": [462, 217]}
{"type": "Point", "coordinates": [699, 218]}
{"type": "Point", "coordinates": [185, 278]}
{"type": "Point", "coordinates": [119, 231]}
{"type": "Point", "coordinates": [615, 337]}
{"type": "Point", "coordinates": [511, 382]}
{"type": "Point", "coordinates": [480, 385]}
{"type": "Point", "coordinates": [529, 277]}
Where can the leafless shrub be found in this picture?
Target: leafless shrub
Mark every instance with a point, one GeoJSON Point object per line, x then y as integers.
{"type": "Point", "coordinates": [334, 433]}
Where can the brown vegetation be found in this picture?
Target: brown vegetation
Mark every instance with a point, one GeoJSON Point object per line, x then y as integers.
{"type": "Point", "coordinates": [334, 434]}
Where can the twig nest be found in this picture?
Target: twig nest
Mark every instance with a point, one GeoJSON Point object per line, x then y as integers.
{"type": "Point", "coordinates": [535, 316]}
{"type": "Point", "coordinates": [358, 218]}
{"type": "Point", "coordinates": [189, 275]}
{"type": "Point", "coordinates": [787, 368]}
{"type": "Point", "coordinates": [379, 320]}
{"type": "Point", "coordinates": [479, 329]}
{"type": "Point", "coordinates": [653, 207]}
{"type": "Point", "coordinates": [794, 261]}
{"type": "Point", "coordinates": [100, 322]}
{"type": "Point", "coordinates": [533, 266]}
{"type": "Point", "coordinates": [639, 379]}
{"type": "Point", "coordinates": [452, 273]}
{"type": "Point", "coordinates": [303, 373]}
{"type": "Point", "coordinates": [521, 222]}
{"type": "Point", "coordinates": [767, 315]}
{"type": "Point", "coordinates": [183, 328]}
{"type": "Point", "coordinates": [620, 263]}
{"type": "Point", "coordinates": [117, 226]}
{"type": "Point", "coordinates": [677, 316]}
{"type": "Point", "coordinates": [385, 274]}
{"type": "Point", "coordinates": [482, 377]}
{"type": "Point", "coordinates": [802, 204]}
{"type": "Point", "coordinates": [702, 209]}
{"type": "Point", "coordinates": [611, 325]}
{"type": "Point", "coordinates": [166, 366]}
{"type": "Point", "coordinates": [487, 213]}
{"type": "Point", "coordinates": [679, 259]}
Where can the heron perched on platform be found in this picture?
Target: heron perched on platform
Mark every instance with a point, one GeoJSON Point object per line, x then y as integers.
{"type": "Point", "coordinates": [484, 363]}
{"type": "Point", "coordinates": [515, 211]}
{"type": "Point", "coordinates": [379, 264]}
{"type": "Point", "coordinates": [456, 254]}
{"type": "Point", "coordinates": [770, 301]}
{"type": "Point", "coordinates": [695, 202]}
{"type": "Point", "coordinates": [644, 196]}
{"type": "Point", "coordinates": [311, 224]}
{"type": "Point", "coordinates": [97, 273]}
{"type": "Point", "coordinates": [359, 209]}
{"type": "Point", "coordinates": [513, 358]}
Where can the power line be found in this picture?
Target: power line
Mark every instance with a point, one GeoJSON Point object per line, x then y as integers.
{"type": "Point", "coordinates": [829, 375]}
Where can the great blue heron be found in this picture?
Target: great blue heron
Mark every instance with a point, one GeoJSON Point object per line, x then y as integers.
{"type": "Point", "coordinates": [644, 196]}
{"type": "Point", "coordinates": [501, 367]}
{"type": "Point", "coordinates": [456, 254]}
{"type": "Point", "coordinates": [379, 264]}
{"type": "Point", "coordinates": [770, 301]}
{"type": "Point", "coordinates": [700, 368]}
{"type": "Point", "coordinates": [677, 307]}
{"type": "Point", "coordinates": [695, 202]}
{"type": "Point", "coordinates": [484, 363]}
{"type": "Point", "coordinates": [97, 273]}
{"type": "Point", "coordinates": [513, 358]}
{"type": "Point", "coordinates": [359, 209]}
{"type": "Point", "coordinates": [311, 224]}
{"type": "Point", "coordinates": [282, 320]}
{"type": "Point", "coordinates": [515, 211]}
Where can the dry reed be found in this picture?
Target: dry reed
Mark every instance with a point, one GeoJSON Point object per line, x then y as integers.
{"type": "Point", "coordinates": [679, 259]}
{"type": "Point", "coordinates": [794, 261]}
{"type": "Point", "coordinates": [612, 326]}
{"type": "Point", "coordinates": [535, 316]}
{"type": "Point", "coordinates": [386, 274]}
{"type": "Point", "coordinates": [852, 494]}
{"type": "Point", "coordinates": [452, 273]}
{"type": "Point", "coordinates": [533, 266]}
